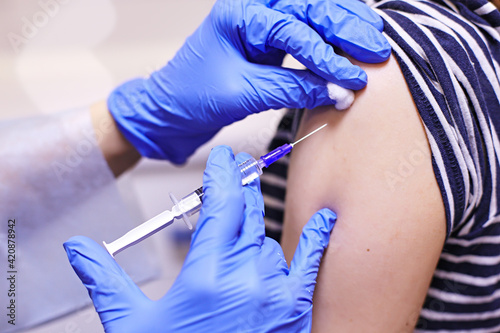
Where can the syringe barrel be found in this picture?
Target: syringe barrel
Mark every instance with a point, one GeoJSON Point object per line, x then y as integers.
{"type": "Point", "coordinates": [191, 203]}
{"type": "Point", "coordinates": [250, 170]}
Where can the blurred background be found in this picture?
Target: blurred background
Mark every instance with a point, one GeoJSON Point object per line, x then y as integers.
{"type": "Point", "coordinates": [61, 54]}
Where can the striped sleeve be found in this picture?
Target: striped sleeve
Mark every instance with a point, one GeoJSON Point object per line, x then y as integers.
{"type": "Point", "coordinates": [448, 65]}
{"type": "Point", "coordinates": [449, 53]}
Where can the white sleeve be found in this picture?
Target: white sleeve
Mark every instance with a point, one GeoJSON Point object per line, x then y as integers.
{"type": "Point", "coordinates": [55, 183]}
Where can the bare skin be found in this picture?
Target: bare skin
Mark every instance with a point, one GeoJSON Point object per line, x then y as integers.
{"type": "Point", "coordinates": [118, 152]}
{"type": "Point", "coordinates": [372, 166]}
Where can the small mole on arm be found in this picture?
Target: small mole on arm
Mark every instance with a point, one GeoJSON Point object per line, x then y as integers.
{"type": "Point", "coordinates": [367, 250]}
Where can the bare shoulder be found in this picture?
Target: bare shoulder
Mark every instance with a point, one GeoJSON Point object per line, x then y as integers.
{"type": "Point", "coordinates": [372, 166]}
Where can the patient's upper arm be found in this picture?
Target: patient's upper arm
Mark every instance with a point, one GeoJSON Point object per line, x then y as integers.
{"type": "Point", "coordinates": [372, 166]}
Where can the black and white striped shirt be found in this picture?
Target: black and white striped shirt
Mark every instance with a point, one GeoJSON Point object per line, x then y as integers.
{"type": "Point", "coordinates": [449, 52]}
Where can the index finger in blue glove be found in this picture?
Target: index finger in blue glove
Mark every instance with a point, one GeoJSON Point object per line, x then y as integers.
{"type": "Point", "coordinates": [104, 279]}
{"type": "Point", "coordinates": [223, 203]}
{"type": "Point", "coordinates": [313, 242]}
{"type": "Point", "coordinates": [350, 25]}
{"type": "Point", "coordinates": [293, 88]}
{"type": "Point", "coordinates": [253, 222]}
{"type": "Point", "coordinates": [267, 27]}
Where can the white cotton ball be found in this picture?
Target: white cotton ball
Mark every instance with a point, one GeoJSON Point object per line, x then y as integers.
{"type": "Point", "coordinates": [343, 97]}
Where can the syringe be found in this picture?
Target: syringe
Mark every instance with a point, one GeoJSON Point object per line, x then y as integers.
{"type": "Point", "coordinates": [191, 203]}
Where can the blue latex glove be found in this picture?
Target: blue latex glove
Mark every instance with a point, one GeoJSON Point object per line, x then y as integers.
{"type": "Point", "coordinates": [343, 23]}
{"type": "Point", "coordinates": [230, 68]}
{"type": "Point", "coordinates": [234, 279]}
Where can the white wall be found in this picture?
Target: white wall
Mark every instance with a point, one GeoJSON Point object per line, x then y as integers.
{"type": "Point", "coordinates": [76, 57]}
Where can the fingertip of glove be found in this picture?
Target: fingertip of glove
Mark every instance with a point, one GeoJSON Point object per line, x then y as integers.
{"type": "Point", "coordinates": [378, 23]}
{"type": "Point", "coordinates": [242, 157]}
{"type": "Point", "coordinates": [355, 81]}
{"type": "Point", "coordinates": [74, 243]}
{"type": "Point", "coordinates": [80, 246]}
{"type": "Point", "coordinates": [386, 50]}
{"type": "Point", "coordinates": [381, 52]}
{"type": "Point", "coordinates": [326, 220]}
{"type": "Point", "coordinates": [222, 148]}
{"type": "Point", "coordinates": [330, 218]}
{"type": "Point", "coordinates": [220, 159]}
{"type": "Point", "coordinates": [222, 178]}
{"type": "Point", "coordinates": [74, 247]}
{"type": "Point", "coordinates": [220, 164]}
{"type": "Point", "coordinates": [361, 80]}
{"type": "Point", "coordinates": [220, 151]}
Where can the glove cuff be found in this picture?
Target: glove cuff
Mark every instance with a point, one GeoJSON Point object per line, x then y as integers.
{"type": "Point", "coordinates": [133, 109]}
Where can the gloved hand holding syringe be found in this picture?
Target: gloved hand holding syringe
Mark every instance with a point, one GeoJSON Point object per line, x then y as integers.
{"type": "Point", "coordinates": [191, 203]}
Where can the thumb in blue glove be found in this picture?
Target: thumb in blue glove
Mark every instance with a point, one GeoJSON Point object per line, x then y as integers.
{"type": "Point", "coordinates": [234, 279]}
{"type": "Point", "coordinates": [230, 68]}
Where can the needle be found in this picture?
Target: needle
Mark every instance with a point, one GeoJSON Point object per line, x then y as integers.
{"type": "Point", "coordinates": [308, 135]}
